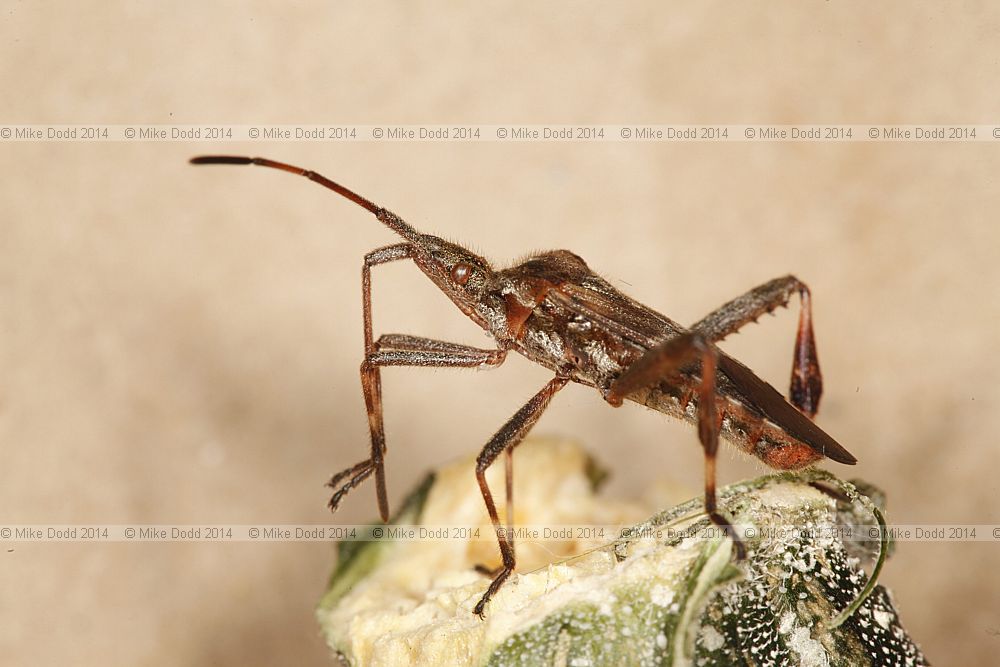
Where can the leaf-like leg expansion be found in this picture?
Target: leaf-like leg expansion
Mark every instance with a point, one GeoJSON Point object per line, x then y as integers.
{"type": "Point", "coordinates": [664, 362]}
{"type": "Point", "coordinates": [507, 438]}
{"type": "Point", "coordinates": [806, 385]}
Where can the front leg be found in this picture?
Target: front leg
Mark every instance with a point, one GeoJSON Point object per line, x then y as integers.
{"type": "Point", "coordinates": [400, 350]}
{"type": "Point", "coordinates": [806, 385]}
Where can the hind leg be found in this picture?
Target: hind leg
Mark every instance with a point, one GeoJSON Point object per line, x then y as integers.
{"type": "Point", "coordinates": [806, 385]}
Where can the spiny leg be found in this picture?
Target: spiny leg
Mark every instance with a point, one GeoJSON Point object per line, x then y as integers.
{"type": "Point", "coordinates": [506, 439]}
{"type": "Point", "coordinates": [394, 350]}
{"type": "Point", "coordinates": [806, 385]}
{"type": "Point", "coordinates": [665, 362]}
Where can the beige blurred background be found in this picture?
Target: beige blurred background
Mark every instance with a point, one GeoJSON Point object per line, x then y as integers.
{"type": "Point", "coordinates": [181, 345]}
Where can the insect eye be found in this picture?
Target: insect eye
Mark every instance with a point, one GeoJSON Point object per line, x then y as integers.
{"type": "Point", "coordinates": [461, 273]}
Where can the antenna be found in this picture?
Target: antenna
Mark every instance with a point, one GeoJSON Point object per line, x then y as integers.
{"type": "Point", "coordinates": [387, 217]}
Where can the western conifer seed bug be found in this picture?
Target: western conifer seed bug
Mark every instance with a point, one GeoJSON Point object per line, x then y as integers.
{"type": "Point", "coordinates": [555, 311]}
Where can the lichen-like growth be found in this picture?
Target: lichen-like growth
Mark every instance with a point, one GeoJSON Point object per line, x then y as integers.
{"type": "Point", "coordinates": [665, 592]}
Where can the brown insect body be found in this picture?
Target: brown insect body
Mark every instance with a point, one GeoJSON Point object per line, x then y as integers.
{"type": "Point", "coordinates": [554, 310]}
{"type": "Point", "coordinates": [585, 328]}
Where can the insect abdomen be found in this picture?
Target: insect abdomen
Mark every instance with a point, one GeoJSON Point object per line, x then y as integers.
{"type": "Point", "coordinates": [746, 430]}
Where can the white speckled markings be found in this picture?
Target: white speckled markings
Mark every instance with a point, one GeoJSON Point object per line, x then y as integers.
{"type": "Point", "coordinates": [643, 600]}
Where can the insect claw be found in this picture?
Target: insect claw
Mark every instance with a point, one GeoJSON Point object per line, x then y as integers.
{"type": "Point", "coordinates": [354, 469]}
{"type": "Point", "coordinates": [334, 503]}
{"type": "Point", "coordinates": [361, 472]}
{"type": "Point", "coordinates": [336, 498]}
{"type": "Point", "coordinates": [480, 608]}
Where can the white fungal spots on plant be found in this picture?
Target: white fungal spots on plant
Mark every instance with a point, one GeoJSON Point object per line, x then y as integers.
{"type": "Point", "coordinates": [787, 623]}
{"type": "Point", "coordinates": [643, 602]}
{"type": "Point", "coordinates": [661, 596]}
{"type": "Point", "coordinates": [711, 639]}
{"type": "Point", "coordinates": [811, 652]}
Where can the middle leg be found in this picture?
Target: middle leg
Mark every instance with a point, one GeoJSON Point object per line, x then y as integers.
{"type": "Point", "coordinates": [664, 362]}
{"type": "Point", "coordinates": [400, 350]}
{"type": "Point", "coordinates": [505, 440]}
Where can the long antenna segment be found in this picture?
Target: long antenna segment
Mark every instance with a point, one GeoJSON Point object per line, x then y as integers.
{"type": "Point", "coordinates": [387, 217]}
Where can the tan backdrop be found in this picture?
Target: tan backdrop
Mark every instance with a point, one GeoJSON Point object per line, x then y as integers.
{"type": "Point", "coordinates": [181, 345]}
